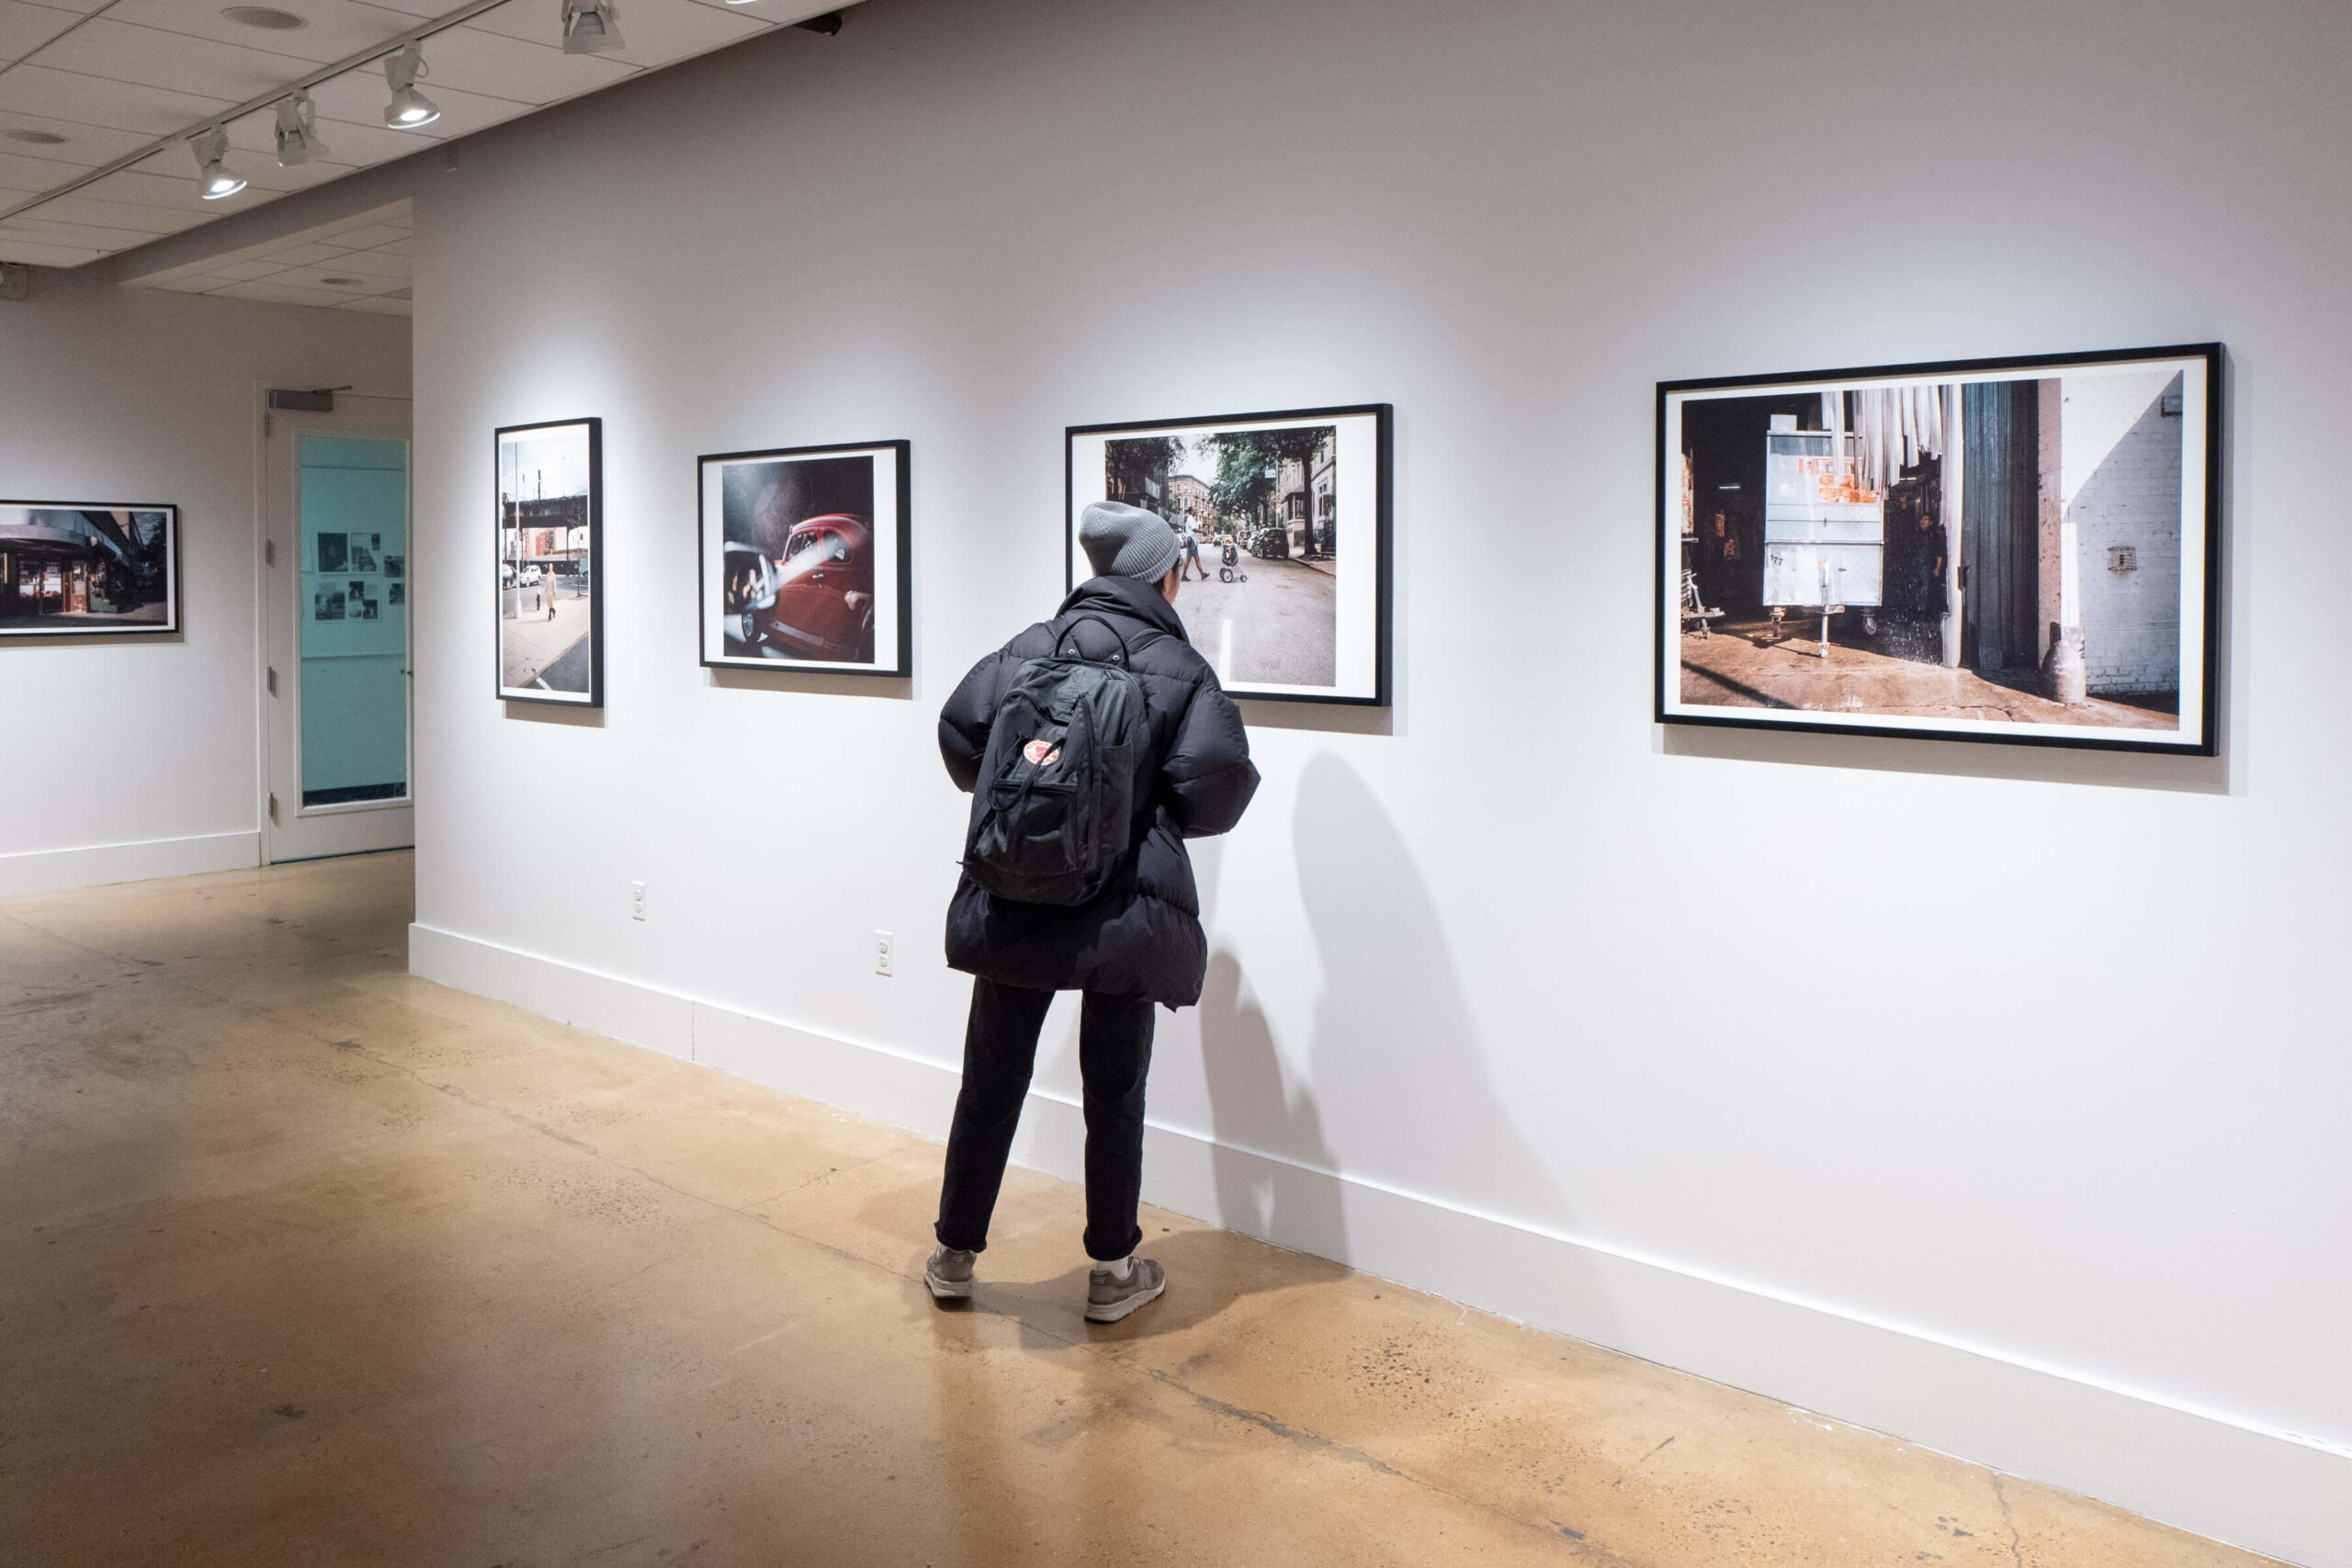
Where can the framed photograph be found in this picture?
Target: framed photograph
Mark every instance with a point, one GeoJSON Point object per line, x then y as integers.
{"type": "Point", "coordinates": [805, 560]}
{"type": "Point", "coordinates": [78, 568]}
{"type": "Point", "coordinates": [1285, 519]}
{"type": "Point", "coordinates": [2023, 550]}
{"type": "Point", "coordinates": [550, 563]}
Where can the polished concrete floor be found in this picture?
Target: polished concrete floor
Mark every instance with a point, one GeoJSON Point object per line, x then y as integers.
{"type": "Point", "coordinates": [305, 1261]}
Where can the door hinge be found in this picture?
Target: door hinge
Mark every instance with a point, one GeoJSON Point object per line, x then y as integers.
{"type": "Point", "coordinates": [273, 683]}
{"type": "Point", "coordinates": [269, 552]}
{"type": "Point", "coordinates": [272, 808]}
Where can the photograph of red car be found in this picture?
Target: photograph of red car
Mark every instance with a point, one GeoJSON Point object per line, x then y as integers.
{"type": "Point", "coordinates": [794, 568]}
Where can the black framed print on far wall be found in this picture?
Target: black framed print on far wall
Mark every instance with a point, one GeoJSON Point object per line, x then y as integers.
{"type": "Point", "coordinates": [2021, 550]}
{"type": "Point", "coordinates": [82, 568]}
{"type": "Point", "coordinates": [1286, 585]}
{"type": "Point", "coordinates": [805, 560]}
{"type": "Point", "coordinates": [551, 562]}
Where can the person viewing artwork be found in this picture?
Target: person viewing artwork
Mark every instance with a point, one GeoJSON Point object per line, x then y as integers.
{"type": "Point", "coordinates": [1094, 744]}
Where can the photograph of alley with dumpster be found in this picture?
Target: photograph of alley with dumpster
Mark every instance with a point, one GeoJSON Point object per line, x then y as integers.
{"type": "Point", "coordinates": [1283, 521]}
{"type": "Point", "coordinates": [2018, 550]}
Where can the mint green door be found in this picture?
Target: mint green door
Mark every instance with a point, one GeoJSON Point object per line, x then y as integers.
{"type": "Point", "coordinates": [352, 617]}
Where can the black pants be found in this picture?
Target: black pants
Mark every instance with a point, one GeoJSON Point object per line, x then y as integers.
{"type": "Point", "coordinates": [1000, 1051]}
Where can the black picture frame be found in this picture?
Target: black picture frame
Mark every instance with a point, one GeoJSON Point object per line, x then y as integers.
{"type": "Point", "coordinates": [101, 529]}
{"type": "Point", "coordinates": [894, 654]}
{"type": "Point", "coordinates": [1377, 691]}
{"type": "Point", "coordinates": [2197, 731]}
{"type": "Point", "coordinates": [593, 697]}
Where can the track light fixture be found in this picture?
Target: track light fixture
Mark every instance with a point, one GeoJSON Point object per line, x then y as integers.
{"type": "Point", "coordinates": [212, 179]}
{"type": "Point", "coordinates": [409, 108]}
{"type": "Point", "coordinates": [590, 27]}
{"type": "Point", "coordinates": [298, 131]}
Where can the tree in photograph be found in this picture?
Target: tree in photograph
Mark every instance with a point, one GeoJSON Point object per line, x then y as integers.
{"type": "Point", "coordinates": [1248, 469]}
{"type": "Point", "coordinates": [1137, 470]}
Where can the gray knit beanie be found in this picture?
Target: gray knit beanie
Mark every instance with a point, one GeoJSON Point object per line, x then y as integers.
{"type": "Point", "coordinates": [1127, 541]}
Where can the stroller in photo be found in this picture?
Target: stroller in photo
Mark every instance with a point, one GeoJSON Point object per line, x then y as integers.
{"type": "Point", "coordinates": [1228, 570]}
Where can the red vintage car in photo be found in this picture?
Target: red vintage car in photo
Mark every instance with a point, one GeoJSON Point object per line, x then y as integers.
{"type": "Point", "coordinates": [815, 601]}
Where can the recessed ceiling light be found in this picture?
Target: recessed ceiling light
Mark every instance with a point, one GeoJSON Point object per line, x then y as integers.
{"type": "Point", "coordinates": [266, 17]}
{"type": "Point", "coordinates": [38, 138]}
{"type": "Point", "coordinates": [340, 282]}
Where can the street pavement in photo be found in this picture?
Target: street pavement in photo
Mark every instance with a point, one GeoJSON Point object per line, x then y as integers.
{"type": "Point", "coordinates": [533, 648]}
{"type": "Point", "coordinates": [1743, 667]}
{"type": "Point", "coordinates": [1281, 626]}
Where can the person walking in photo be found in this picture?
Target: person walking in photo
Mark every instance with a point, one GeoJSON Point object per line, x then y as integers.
{"type": "Point", "coordinates": [1192, 541]}
{"type": "Point", "coordinates": [1094, 744]}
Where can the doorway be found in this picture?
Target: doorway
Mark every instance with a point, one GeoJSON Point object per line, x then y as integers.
{"type": "Point", "coordinates": [336, 681]}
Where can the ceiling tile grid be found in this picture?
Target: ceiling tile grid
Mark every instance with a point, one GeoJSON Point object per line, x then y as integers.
{"type": "Point", "coordinates": [359, 262]}
{"type": "Point", "coordinates": [99, 100]}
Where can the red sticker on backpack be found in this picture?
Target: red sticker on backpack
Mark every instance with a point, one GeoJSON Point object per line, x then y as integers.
{"type": "Point", "coordinates": [1041, 752]}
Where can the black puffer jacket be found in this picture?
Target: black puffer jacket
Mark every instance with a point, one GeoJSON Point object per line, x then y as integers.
{"type": "Point", "coordinates": [1141, 937]}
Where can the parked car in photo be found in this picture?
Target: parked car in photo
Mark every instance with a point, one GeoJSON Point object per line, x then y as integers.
{"type": "Point", "coordinates": [530, 578]}
{"type": "Point", "coordinates": [814, 602]}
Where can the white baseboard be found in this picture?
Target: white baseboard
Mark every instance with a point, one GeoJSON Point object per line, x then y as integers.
{"type": "Point", "coordinates": [2229, 1479]}
{"type": "Point", "coordinates": [57, 871]}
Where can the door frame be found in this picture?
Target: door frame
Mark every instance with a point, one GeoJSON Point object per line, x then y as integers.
{"type": "Point", "coordinates": [292, 679]}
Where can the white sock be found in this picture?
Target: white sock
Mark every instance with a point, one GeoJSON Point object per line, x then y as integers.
{"type": "Point", "coordinates": [1123, 1270]}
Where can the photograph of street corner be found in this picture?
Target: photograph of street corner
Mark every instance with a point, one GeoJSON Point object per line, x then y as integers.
{"type": "Point", "coordinates": [547, 617]}
{"type": "Point", "coordinates": [1978, 553]}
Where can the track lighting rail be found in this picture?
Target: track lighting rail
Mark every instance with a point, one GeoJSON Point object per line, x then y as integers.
{"type": "Point", "coordinates": [374, 52]}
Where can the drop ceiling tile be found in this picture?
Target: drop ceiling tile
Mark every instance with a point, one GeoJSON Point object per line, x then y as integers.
{"type": "Point", "coordinates": [246, 271]}
{"type": "Point", "coordinates": [20, 173]}
{"type": "Point", "coordinates": [119, 106]}
{"type": "Point", "coordinates": [477, 62]}
{"type": "Point", "coordinates": [334, 29]}
{"type": "Point", "coordinates": [381, 305]}
{"type": "Point", "coordinates": [134, 215]}
{"type": "Point", "coordinates": [25, 28]}
{"type": "Point", "coordinates": [78, 6]}
{"type": "Point", "coordinates": [200, 283]}
{"type": "Point", "coordinates": [30, 226]}
{"type": "Point", "coordinates": [38, 255]}
{"type": "Point", "coordinates": [86, 146]}
{"type": "Point", "coordinates": [359, 96]}
{"type": "Point", "coordinates": [364, 236]}
{"type": "Point", "coordinates": [355, 287]}
{"type": "Point", "coordinates": [281, 294]}
{"type": "Point", "coordinates": [394, 270]}
{"type": "Point", "coordinates": [776, 13]}
{"type": "Point", "coordinates": [116, 52]}
{"type": "Point", "coordinates": [658, 31]}
{"type": "Point", "coordinates": [397, 248]}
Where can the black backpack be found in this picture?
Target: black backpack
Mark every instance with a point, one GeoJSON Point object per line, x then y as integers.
{"type": "Point", "coordinates": [1053, 814]}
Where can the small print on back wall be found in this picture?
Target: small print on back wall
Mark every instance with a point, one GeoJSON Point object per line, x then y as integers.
{"type": "Point", "coordinates": [1283, 519]}
{"type": "Point", "coordinates": [805, 560]}
{"type": "Point", "coordinates": [2022, 550]}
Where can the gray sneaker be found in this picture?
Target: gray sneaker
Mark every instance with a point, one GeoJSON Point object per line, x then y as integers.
{"type": "Point", "coordinates": [1110, 1298]}
{"type": "Point", "coordinates": [949, 1274]}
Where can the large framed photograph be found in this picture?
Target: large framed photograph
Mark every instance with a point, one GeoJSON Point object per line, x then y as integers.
{"type": "Point", "coordinates": [1285, 519]}
{"type": "Point", "coordinates": [80, 568]}
{"type": "Point", "coordinates": [551, 562]}
{"type": "Point", "coordinates": [2020, 550]}
{"type": "Point", "coordinates": [805, 560]}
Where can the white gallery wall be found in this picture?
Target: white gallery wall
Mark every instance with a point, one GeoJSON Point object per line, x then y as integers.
{"type": "Point", "coordinates": [137, 757]}
{"type": "Point", "coordinates": [1990, 1097]}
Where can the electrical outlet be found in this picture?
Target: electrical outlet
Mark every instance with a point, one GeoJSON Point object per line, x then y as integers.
{"type": "Point", "coordinates": [882, 953]}
{"type": "Point", "coordinates": [637, 900]}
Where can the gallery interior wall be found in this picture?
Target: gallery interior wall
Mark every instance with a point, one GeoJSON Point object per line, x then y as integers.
{"type": "Point", "coordinates": [139, 756]}
{"type": "Point", "coordinates": [1989, 1096]}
